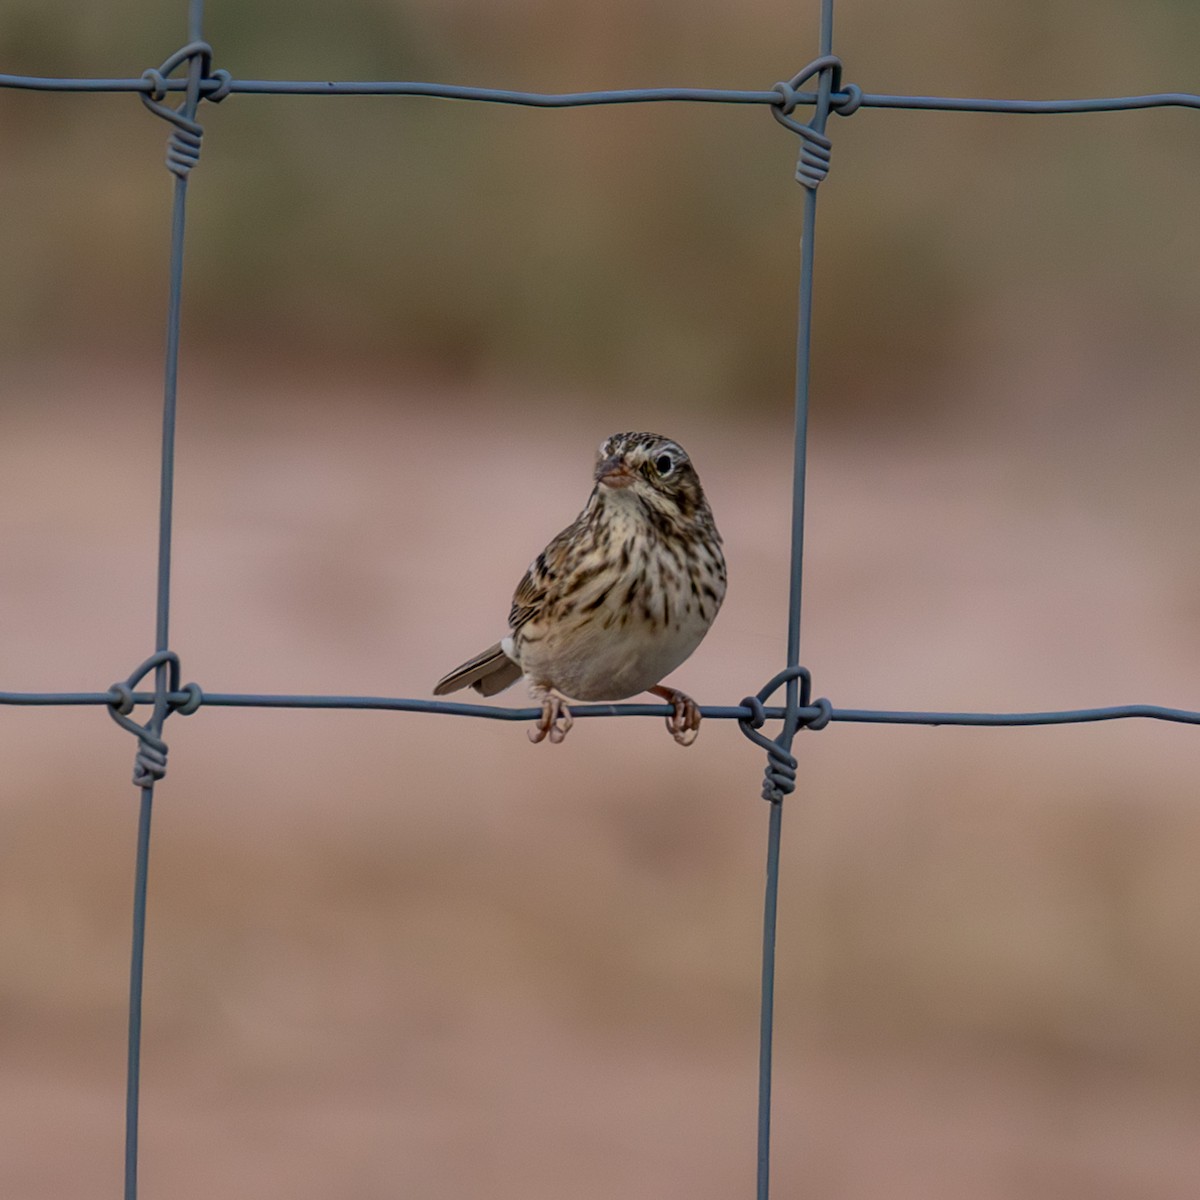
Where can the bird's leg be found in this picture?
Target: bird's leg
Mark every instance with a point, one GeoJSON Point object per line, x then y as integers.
{"type": "Point", "coordinates": [684, 722]}
{"type": "Point", "coordinates": [556, 720]}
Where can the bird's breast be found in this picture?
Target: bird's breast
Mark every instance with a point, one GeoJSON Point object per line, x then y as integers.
{"type": "Point", "coordinates": [621, 621]}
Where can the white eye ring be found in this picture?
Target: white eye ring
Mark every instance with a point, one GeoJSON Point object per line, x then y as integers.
{"type": "Point", "coordinates": [664, 464]}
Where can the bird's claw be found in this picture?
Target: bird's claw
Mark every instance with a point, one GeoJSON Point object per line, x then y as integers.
{"type": "Point", "coordinates": [684, 722]}
{"type": "Point", "coordinates": [554, 723]}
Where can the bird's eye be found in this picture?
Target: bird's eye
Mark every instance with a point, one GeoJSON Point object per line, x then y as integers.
{"type": "Point", "coordinates": [664, 464]}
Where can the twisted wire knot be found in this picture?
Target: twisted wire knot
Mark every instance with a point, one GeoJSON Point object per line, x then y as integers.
{"type": "Point", "coordinates": [823, 717]}
{"type": "Point", "coordinates": [158, 85]}
{"type": "Point", "coordinates": [196, 698]}
{"type": "Point", "coordinates": [225, 86]}
{"type": "Point", "coordinates": [844, 108]}
{"type": "Point", "coordinates": [815, 146]}
{"type": "Point", "coordinates": [183, 150]}
{"type": "Point", "coordinates": [789, 94]}
{"type": "Point", "coordinates": [150, 763]}
{"type": "Point", "coordinates": [779, 779]}
{"type": "Point", "coordinates": [183, 146]}
{"type": "Point", "coordinates": [815, 152]}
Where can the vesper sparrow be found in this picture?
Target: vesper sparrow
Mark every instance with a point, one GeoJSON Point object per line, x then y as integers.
{"type": "Point", "coordinates": [619, 599]}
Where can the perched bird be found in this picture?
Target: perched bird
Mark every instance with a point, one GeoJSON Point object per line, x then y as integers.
{"type": "Point", "coordinates": [618, 599]}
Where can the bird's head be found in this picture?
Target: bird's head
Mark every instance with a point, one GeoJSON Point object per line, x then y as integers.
{"type": "Point", "coordinates": [652, 469]}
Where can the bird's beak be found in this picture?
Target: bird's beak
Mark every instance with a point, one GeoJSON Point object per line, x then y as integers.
{"type": "Point", "coordinates": [614, 472]}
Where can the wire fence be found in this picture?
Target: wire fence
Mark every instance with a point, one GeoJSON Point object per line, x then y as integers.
{"type": "Point", "coordinates": [199, 81]}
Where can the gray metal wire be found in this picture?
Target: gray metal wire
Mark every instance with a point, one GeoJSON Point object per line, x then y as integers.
{"type": "Point", "coordinates": [217, 87]}
{"type": "Point", "coordinates": [184, 701]}
{"type": "Point", "coordinates": [799, 711]}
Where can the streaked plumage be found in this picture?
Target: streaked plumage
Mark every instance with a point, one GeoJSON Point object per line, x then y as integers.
{"type": "Point", "coordinates": [618, 599]}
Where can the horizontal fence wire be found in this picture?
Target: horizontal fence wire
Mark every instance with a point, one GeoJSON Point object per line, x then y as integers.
{"type": "Point", "coordinates": [830, 97]}
{"type": "Point", "coordinates": [710, 712]}
{"type": "Point", "coordinates": [449, 91]}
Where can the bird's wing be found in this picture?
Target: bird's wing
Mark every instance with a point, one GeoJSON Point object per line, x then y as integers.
{"type": "Point", "coordinates": [527, 599]}
{"type": "Point", "coordinates": [540, 580]}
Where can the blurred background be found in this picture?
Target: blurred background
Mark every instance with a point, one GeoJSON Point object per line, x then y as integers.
{"type": "Point", "coordinates": [410, 955]}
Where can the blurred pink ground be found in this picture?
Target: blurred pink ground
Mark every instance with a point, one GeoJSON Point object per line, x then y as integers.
{"type": "Point", "coordinates": [413, 956]}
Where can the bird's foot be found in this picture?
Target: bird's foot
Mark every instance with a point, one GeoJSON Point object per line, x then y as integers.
{"type": "Point", "coordinates": [684, 722]}
{"type": "Point", "coordinates": [555, 721]}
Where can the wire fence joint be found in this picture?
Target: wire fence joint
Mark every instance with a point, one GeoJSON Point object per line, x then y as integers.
{"type": "Point", "coordinates": [183, 146]}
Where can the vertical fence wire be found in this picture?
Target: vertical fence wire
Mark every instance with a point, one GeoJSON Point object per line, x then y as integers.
{"type": "Point", "coordinates": [795, 599]}
{"type": "Point", "coordinates": [195, 67]}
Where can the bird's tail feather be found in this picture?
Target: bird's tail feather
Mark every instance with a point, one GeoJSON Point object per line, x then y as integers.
{"type": "Point", "coordinates": [488, 673]}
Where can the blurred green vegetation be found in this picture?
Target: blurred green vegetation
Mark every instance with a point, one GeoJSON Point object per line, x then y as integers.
{"type": "Point", "coordinates": [649, 249]}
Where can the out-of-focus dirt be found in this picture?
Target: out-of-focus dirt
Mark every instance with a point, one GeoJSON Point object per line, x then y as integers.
{"type": "Point", "coordinates": [397, 955]}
